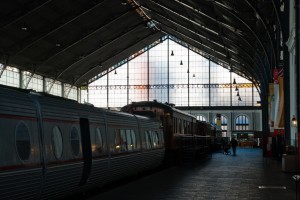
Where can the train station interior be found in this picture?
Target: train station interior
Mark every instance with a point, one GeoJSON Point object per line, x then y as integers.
{"type": "Point", "coordinates": [233, 64]}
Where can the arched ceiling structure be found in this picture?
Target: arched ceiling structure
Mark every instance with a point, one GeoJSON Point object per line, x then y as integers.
{"type": "Point", "coordinates": [74, 40]}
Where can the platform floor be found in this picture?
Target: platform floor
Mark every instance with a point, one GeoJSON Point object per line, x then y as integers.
{"type": "Point", "coordinates": [220, 178]}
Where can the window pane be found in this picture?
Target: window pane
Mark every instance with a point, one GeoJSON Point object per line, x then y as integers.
{"type": "Point", "coordinates": [57, 143]}
{"type": "Point", "coordinates": [242, 123]}
{"type": "Point", "coordinates": [23, 141]}
{"type": "Point", "coordinates": [99, 140]}
{"type": "Point", "coordinates": [75, 142]}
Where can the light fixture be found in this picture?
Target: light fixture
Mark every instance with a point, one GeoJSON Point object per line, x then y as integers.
{"type": "Point", "coordinates": [181, 63]}
{"type": "Point", "coordinates": [234, 82]}
{"type": "Point", "coordinates": [236, 88]}
{"type": "Point", "coordinates": [124, 2]}
{"type": "Point", "coordinates": [115, 71]}
{"type": "Point", "coordinates": [172, 53]}
{"type": "Point", "coordinates": [57, 44]}
{"type": "Point", "coordinates": [24, 27]}
{"type": "Point", "coordinates": [237, 94]}
{"type": "Point", "coordinates": [188, 71]}
{"type": "Point", "coordinates": [294, 121]}
{"type": "Point", "coordinates": [194, 75]}
{"type": "Point", "coordinates": [240, 98]}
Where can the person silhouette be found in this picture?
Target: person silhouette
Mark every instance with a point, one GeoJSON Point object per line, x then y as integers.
{"type": "Point", "coordinates": [234, 144]}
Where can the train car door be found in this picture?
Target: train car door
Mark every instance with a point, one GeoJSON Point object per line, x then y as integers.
{"type": "Point", "coordinates": [86, 150]}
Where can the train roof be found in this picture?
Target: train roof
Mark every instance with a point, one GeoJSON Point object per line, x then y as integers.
{"type": "Point", "coordinates": [166, 106]}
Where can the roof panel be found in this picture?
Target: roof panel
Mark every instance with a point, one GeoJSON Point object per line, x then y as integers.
{"type": "Point", "coordinates": [68, 40]}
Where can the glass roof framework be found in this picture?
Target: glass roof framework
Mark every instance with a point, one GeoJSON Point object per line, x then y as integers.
{"type": "Point", "coordinates": [169, 71]}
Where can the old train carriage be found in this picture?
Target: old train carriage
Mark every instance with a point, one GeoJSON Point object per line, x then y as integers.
{"type": "Point", "coordinates": [183, 140]}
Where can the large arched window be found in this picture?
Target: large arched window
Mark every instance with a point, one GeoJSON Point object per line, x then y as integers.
{"type": "Point", "coordinates": [223, 125]}
{"type": "Point", "coordinates": [242, 123]}
{"type": "Point", "coordinates": [223, 122]}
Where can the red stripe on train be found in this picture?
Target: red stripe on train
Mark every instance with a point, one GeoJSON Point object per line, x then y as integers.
{"type": "Point", "coordinates": [38, 165]}
{"type": "Point", "coordinates": [18, 117]}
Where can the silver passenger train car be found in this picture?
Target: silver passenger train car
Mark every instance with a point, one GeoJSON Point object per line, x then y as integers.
{"type": "Point", "coordinates": [51, 147]}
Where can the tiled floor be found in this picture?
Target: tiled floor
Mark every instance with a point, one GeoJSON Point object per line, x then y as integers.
{"type": "Point", "coordinates": [222, 177]}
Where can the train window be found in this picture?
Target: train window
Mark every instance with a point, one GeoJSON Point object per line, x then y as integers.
{"type": "Point", "coordinates": [131, 140]}
{"type": "Point", "coordinates": [156, 142]}
{"type": "Point", "coordinates": [23, 143]}
{"type": "Point", "coordinates": [153, 140]}
{"type": "Point", "coordinates": [148, 140]}
{"type": "Point", "coordinates": [57, 142]}
{"type": "Point", "coordinates": [75, 142]}
{"type": "Point", "coordinates": [99, 141]}
{"type": "Point", "coordinates": [125, 140]}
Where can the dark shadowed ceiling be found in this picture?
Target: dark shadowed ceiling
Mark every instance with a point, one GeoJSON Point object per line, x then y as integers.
{"type": "Point", "coordinates": [74, 40]}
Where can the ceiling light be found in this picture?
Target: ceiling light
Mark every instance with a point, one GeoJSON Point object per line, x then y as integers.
{"type": "Point", "coordinates": [172, 53]}
{"type": "Point", "coordinates": [115, 71]}
{"type": "Point", "coordinates": [236, 88]}
{"type": "Point", "coordinates": [294, 121]}
{"type": "Point", "coordinates": [237, 94]}
{"type": "Point", "coordinates": [24, 27]}
{"type": "Point", "coordinates": [240, 99]}
{"type": "Point", "coordinates": [124, 2]}
{"type": "Point", "coordinates": [234, 82]}
{"type": "Point", "coordinates": [258, 103]}
{"type": "Point", "coordinates": [181, 63]}
{"type": "Point", "coordinates": [57, 44]}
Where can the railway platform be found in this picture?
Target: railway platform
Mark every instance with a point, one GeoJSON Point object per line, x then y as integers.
{"type": "Point", "coordinates": [246, 176]}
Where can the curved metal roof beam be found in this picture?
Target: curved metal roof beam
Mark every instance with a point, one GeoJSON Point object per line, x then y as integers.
{"type": "Point", "coordinates": [258, 39]}
{"type": "Point", "coordinates": [24, 15]}
{"type": "Point", "coordinates": [199, 25]}
{"type": "Point", "coordinates": [129, 58]}
{"type": "Point", "coordinates": [59, 27]}
{"type": "Point", "coordinates": [97, 50]}
{"type": "Point", "coordinates": [83, 75]}
{"type": "Point", "coordinates": [81, 39]}
{"type": "Point", "coordinates": [203, 37]}
{"type": "Point", "coordinates": [264, 24]}
{"type": "Point", "coordinates": [277, 15]}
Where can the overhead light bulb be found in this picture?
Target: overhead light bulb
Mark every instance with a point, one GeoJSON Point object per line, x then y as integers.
{"type": "Point", "coordinates": [294, 120]}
